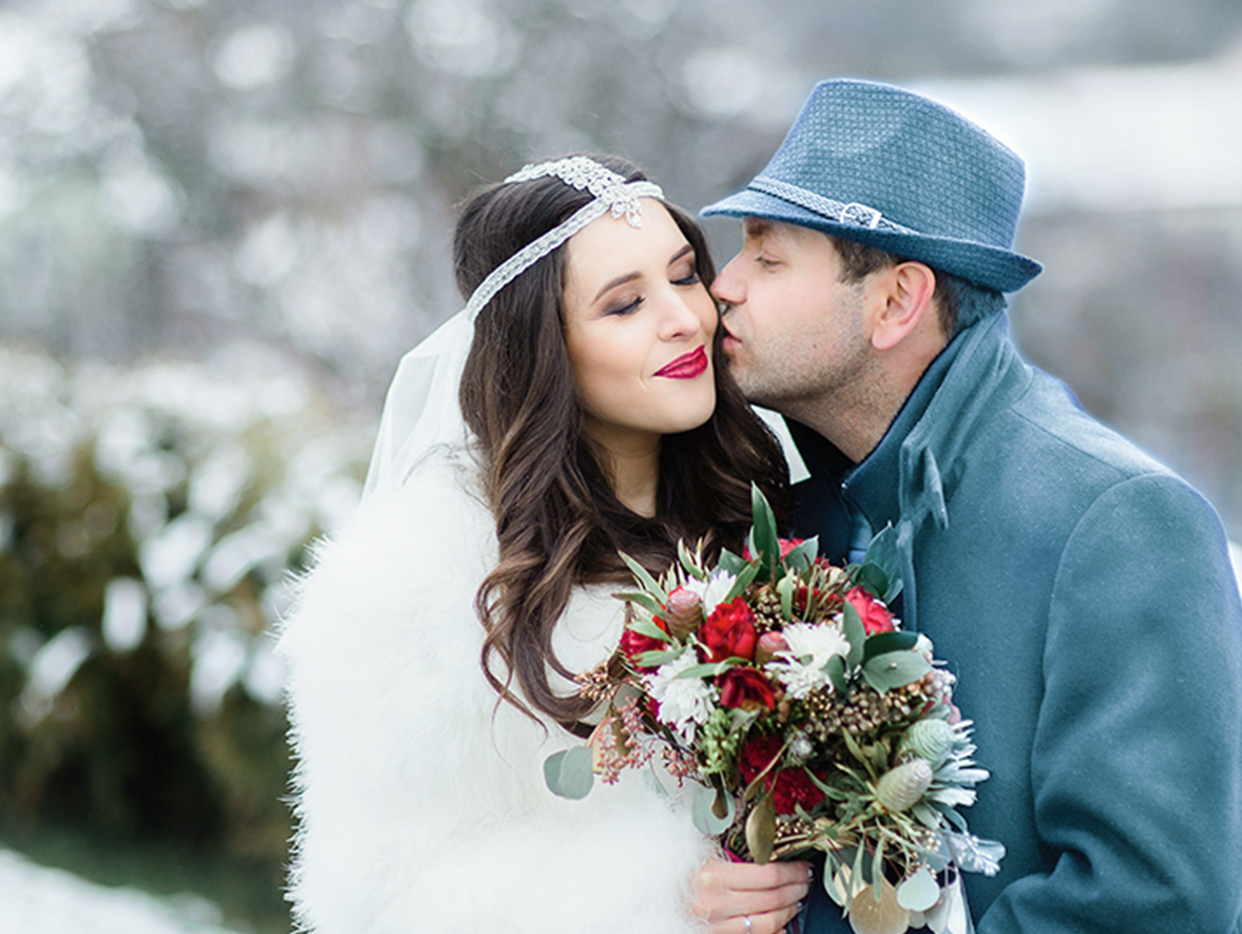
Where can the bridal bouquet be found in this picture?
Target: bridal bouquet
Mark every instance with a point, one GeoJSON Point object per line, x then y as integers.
{"type": "Point", "coordinates": [785, 688]}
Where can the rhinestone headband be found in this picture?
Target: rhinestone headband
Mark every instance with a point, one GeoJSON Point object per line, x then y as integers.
{"type": "Point", "coordinates": [611, 193]}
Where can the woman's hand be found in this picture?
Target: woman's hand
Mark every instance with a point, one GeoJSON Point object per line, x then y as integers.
{"type": "Point", "coordinates": [726, 895]}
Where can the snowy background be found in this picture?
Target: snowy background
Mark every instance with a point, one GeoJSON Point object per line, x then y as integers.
{"type": "Point", "coordinates": [222, 221]}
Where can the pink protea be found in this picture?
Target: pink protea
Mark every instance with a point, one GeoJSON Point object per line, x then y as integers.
{"type": "Point", "coordinates": [684, 612]}
{"type": "Point", "coordinates": [769, 644]}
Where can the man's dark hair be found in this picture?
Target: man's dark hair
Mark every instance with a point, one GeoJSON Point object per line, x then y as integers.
{"type": "Point", "coordinates": [959, 303]}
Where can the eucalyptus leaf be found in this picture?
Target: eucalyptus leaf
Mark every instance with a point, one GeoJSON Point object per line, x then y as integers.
{"type": "Point", "coordinates": [835, 669]}
{"type": "Point", "coordinates": [894, 641]}
{"type": "Point", "coordinates": [891, 670]}
{"type": "Point", "coordinates": [710, 669]}
{"type": "Point", "coordinates": [873, 578]}
{"type": "Point", "coordinates": [761, 829]}
{"type": "Point", "coordinates": [802, 555]}
{"type": "Point", "coordinates": [883, 553]}
{"type": "Point", "coordinates": [919, 891]}
{"type": "Point", "coordinates": [732, 563]}
{"type": "Point", "coordinates": [765, 540]}
{"type": "Point", "coordinates": [644, 600]}
{"type": "Point", "coordinates": [785, 590]}
{"type": "Point", "coordinates": [855, 632]}
{"type": "Point", "coordinates": [645, 578]}
{"type": "Point", "coordinates": [704, 812]}
{"type": "Point", "coordinates": [647, 627]}
{"type": "Point", "coordinates": [657, 658]}
{"type": "Point", "coordinates": [569, 773]}
{"type": "Point", "coordinates": [745, 578]}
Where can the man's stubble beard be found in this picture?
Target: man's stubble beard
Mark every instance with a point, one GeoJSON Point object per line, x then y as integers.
{"type": "Point", "coordinates": [803, 388]}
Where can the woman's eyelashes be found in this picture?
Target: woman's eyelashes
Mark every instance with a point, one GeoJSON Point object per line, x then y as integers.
{"type": "Point", "coordinates": [626, 308]}
{"type": "Point", "coordinates": [681, 277]}
{"type": "Point", "coordinates": [685, 271]}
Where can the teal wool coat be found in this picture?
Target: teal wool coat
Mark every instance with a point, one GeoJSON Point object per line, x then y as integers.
{"type": "Point", "coordinates": [1083, 595]}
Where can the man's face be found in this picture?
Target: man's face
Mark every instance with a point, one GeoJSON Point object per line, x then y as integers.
{"type": "Point", "coordinates": [794, 332]}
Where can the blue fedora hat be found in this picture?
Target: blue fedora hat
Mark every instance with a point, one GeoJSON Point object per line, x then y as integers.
{"type": "Point", "coordinates": [890, 168]}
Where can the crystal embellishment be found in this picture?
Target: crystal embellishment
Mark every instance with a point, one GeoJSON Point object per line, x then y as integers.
{"type": "Point", "coordinates": [586, 174]}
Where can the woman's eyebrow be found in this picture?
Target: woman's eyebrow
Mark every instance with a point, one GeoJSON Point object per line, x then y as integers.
{"type": "Point", "coordinates": [620, 280]}
{"type": "Point", "coordinates": [630, 276]}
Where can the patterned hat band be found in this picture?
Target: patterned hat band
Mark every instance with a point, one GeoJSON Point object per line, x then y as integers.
{"type": "Point", "coordinates": [858, 215]}
{"type": "Point", "coordinates": [612, 193]}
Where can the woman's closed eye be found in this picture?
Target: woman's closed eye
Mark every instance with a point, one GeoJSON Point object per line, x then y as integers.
{"type": "Point", "coordinates": [623, 307]}
{"type": "Point", "coordinates": [686, 277]}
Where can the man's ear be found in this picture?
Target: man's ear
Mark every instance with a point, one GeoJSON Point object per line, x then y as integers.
{"type": "Point", "coordinates": [906, 290]}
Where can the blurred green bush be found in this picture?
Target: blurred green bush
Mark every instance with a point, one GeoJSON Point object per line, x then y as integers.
{"type": "Point", "coordinates": [150, 519]}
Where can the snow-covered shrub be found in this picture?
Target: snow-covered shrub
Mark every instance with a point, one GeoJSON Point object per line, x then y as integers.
{"type": "Point", "coordinates": [149, 521]}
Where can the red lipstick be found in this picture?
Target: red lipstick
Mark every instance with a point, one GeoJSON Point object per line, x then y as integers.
{"type": "Point", "coordinates": [687, 366]}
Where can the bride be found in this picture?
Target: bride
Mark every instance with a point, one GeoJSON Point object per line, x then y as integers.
{"type": "Point", "coordinates": [575, 408]}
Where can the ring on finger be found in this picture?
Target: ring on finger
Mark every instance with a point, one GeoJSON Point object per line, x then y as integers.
{"type": "Point", "coordinates": [748, 924]}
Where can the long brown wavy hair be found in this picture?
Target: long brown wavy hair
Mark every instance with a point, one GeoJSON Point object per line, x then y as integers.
{"type": "Point", "coordinates": [558, 522]}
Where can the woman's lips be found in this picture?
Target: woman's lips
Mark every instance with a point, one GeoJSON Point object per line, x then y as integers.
{"type": "Point", "coordinates": [687, 366]}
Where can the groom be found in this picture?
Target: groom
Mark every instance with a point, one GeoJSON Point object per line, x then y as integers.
{"type": "Point", "coordinates": [1081, 592]}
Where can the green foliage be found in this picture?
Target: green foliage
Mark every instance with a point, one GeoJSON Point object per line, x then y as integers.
{"type": "Point", "coordinates": [707, 802]}
{"type": "Point", "coordinates": [881, 569]}
{"type": "Point", "coordinates": [568, 773]}
{"type": "Point", "coordinates": [145, 545]}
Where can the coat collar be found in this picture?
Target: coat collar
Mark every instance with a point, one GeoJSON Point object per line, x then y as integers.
{"type": "Point", "coordinates": [903, 481]}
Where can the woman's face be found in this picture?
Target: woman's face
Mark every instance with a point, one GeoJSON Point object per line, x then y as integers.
{"type": "Point", "coordinates": [638, 328]}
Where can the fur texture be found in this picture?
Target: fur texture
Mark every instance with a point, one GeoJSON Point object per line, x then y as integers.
{"type": "Point", "coordinates": [421, 803]}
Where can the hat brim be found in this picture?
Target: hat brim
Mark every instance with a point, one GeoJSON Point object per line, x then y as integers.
{"type": "Point", "coordinates": [989, 266]}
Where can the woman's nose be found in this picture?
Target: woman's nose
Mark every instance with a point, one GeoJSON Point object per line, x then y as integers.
{"type": "Point", "coordinates": [679, 318]}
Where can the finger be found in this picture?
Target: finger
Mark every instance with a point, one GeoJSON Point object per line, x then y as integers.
{"type": "Point", "coordinates": [724, 892]}
{"type": "Point", "coordinates": [768, 922]}
{"type": "Point", "coordinates": [771, 900]}
{"type": "Point", "coordinates": [741, 877]}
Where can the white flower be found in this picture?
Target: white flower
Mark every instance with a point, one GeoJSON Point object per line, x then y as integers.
{"type": "Point", "coordinates": [924, 647]}
{"type": "Point", "coordinates": [684, 702]}
{"type": "Point", "coordinates": [801, 667]}
{"type": "Point", "coordinates": [974, 855]}
{"type": "Point", "coordinates": [801, 747]}
{"type": "Point", "coordinates": [712, 590]}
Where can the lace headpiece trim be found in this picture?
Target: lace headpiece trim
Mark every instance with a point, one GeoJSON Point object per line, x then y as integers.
{"type": "Point", "coordinates": [612, 193]}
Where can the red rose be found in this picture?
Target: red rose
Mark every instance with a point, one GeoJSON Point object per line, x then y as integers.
{"type": "Point", "coordinates": [729, 632]}
{"type": "Point", "coordinates": [746, 688]}
{"type": "Point", "coordinates": [874, 614]}
{"type": "Point", "coordinates": [787, 545]}
{"type": "Point", "coordinates": [793, 787]}
{"type": "Point", "coordinates": [634, 644]}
